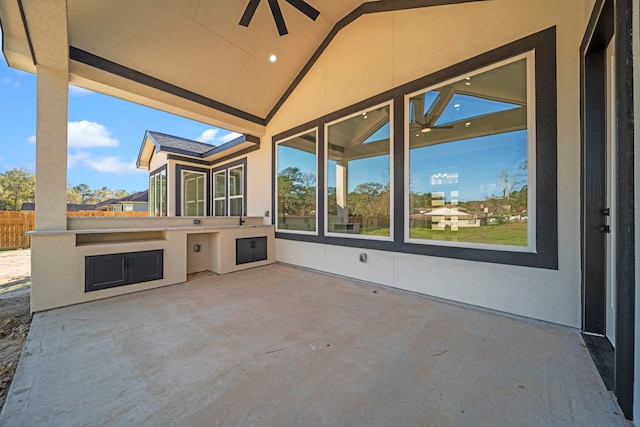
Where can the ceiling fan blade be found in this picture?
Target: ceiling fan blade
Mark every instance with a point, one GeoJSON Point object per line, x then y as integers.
{"type": "Point", "coordinates": [305, 8]}
{"type": "Point", "coordinates": [277, 16]}
{"type": "Point", "coordinates": [247, 16]}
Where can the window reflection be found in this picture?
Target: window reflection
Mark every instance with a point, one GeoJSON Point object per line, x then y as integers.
{"type": "Point", "coordinates": [296, 197]}
{"type": "Point", "coordinates": [358, 174]}
{"type": "Point", "coordinates": [468, 159]}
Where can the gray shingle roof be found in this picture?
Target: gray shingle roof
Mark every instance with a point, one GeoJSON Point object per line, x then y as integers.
{"type": "Point", "coordinates": [173, 143]}
{"type": "Point", "coordinates": [71, 207]}
{"type": "Point", "coordinates": [140, 196]}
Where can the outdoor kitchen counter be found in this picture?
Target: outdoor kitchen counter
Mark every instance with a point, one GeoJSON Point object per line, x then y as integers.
{"type": "Point", "coordinates": [189, 229]}
{"type": "Point", "coordinates": [214, 245]}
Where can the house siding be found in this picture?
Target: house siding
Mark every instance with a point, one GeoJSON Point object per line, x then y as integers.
{"type": "Point", "coordinates": [377, 53]}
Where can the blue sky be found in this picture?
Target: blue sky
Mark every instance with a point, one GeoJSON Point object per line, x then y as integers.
{"type": "Point", "coordinates": [104, 134]}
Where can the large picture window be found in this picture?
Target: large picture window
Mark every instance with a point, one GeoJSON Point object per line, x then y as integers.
{"type": "Point", "coordinates": [158, 193]}
{"type": "Point", "coordinates": [296, 161]}
{"type": "Point", "coordinates": [461, 164]}
{"type": "Point", "coordinates": [471, 154]}
{"type": "Point", "coordinates": [358, 171]}
{"type": "Point", "coordinates": [193, 193]}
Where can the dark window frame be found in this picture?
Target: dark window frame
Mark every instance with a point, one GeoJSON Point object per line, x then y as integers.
{"type": "Point", "coordinates": [178, 181]}
{"type": "Point", "coordinates": [166, 194]}
{"type": "Point", "coordinates": [275, 194]}
{"type": "Point", "coordinates": [543, 44]}
{"type": "Point", "coordinates": [231, 165]}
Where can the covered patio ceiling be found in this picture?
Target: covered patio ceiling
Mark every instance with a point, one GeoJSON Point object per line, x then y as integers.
{"type": "Point", "coordinates": [188, 57]}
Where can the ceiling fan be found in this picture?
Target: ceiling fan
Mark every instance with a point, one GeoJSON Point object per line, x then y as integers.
{"type": "Point", "coordinates": [423, 123]}
{"type": "Point", "coordinates": [301, 5]}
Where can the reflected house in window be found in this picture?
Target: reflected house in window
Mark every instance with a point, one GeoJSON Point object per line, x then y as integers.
{"type": "Point", "coordinates": [470, 141]}
{"type": "Point", "coordinates": [192, 178]}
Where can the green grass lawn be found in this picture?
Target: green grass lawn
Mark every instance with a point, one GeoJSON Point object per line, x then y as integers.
{"type": "Point", "coordinates": [514, 234]}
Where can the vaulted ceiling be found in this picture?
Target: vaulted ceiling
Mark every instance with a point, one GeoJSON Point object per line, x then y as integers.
{"type": "Point", "coordinates": [193, 50]}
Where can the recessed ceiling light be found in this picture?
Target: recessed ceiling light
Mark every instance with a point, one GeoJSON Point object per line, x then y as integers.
{"type": "Point", "coordinates": [273, 58]}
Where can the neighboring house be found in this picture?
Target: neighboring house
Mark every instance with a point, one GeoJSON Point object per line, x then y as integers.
{"type": "Point", "coordinates": [372, 111]}
{"type": "Point", "coordinates": [136, 202]}
{"type": "Point", "coordinates": [71, 207]}
{"type": "Point", "coordinates": [105, 205]}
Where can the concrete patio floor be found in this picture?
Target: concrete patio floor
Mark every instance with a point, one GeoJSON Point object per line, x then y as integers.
{"type": "Point", "coordinates": [283, 346]}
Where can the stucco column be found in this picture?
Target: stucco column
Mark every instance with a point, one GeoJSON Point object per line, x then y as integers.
{"type": "Point", "coordinates": [51, 148]}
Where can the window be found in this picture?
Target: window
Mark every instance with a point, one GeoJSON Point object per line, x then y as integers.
{"type": "Point", "coordinates": [471, 174]}
{"type": "Point", "coordinates": [193, 191]}
{"type": "Point", "coordinates": [158, 193]}
{"type": "Point", "coordinates": [296, 160]}
{"type": "Point", "coordinates": [229, 188]}
{"type": "Point", "coordinates": [236, 191]}
{"type": "Point", "coordinates": [220, 193]}
{"type": "Point", "coordinates": [471, 152]}
{"type": "Point", "coordinates": [358, 171]}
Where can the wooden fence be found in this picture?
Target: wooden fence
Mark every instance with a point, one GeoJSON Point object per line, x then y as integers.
{"type": "Point", "coordinates": [14, 225]}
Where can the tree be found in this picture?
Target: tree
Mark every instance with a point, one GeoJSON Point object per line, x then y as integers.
{"type": "Point", "coordinates": [83, 194]}
{"type": "Point", "coordinates": [17, 186]}
{"type": "Point", "coordinates": [296, 192]}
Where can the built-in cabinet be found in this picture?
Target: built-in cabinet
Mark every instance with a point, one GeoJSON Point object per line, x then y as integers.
{"type": "Point", "coordinates": [110, 271]}
{"type": "Point", "coordinates": [251, 249]}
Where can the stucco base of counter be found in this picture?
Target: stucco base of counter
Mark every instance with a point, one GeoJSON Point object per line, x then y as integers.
{"type": "Point", "coordinates": [58, 262]}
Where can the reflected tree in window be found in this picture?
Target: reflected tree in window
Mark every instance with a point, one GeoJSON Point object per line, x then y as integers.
{"type": "Point", "coordinates": [296, 180]}
{"type": "Point", "coordinates": [358, 174]}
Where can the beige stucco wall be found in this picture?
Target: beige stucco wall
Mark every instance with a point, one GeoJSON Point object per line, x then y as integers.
{"type": "Point", "coordinates": [158, 159]}
{"type": "Point", "coordinates": [381, 51]}
{"type": "Point", "coordinates": [58, 270]}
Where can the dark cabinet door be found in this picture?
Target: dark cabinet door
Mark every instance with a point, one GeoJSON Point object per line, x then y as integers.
{"type": "Point", "coordinates": [109, 271]}
{"type": "Point", "coordinates": [260, 249]}
{"type": "Point", "coordinates": [145, 266]}
{"type": "Point", "coordinates": [251, 249]}
{"type": "Point", "coordinates": [105, 271]}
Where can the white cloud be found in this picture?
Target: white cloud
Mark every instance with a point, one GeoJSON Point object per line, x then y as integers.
{"type": "Point", "coordinates": [230, 137]}
{"type": "Point", "coordinates": [11, 82]}
{"type": "Point", "coordinates": [85, 134]}
{"type": "Point", "coordinates": [211, 136]}
{"type": "Point", "coordinates": [208, 136]}
{"type": "Point", "coordinates": [78, 91]}
{"type": "Point", "coordinates": [108, 164]}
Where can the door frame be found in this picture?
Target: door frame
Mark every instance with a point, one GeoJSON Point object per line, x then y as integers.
{"type": "Point", "coordinates": [609, 17]}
